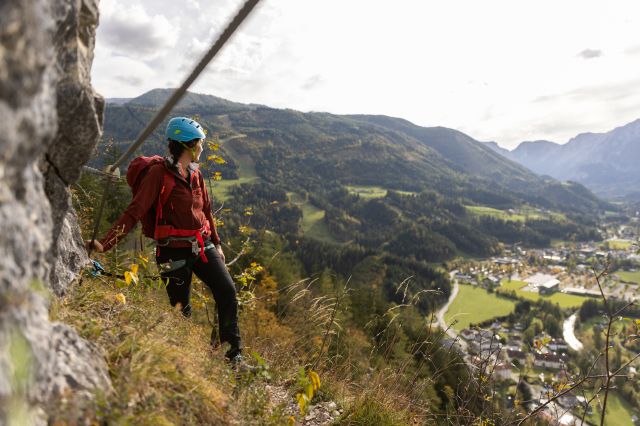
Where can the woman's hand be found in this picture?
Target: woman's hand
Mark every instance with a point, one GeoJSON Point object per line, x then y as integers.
{"type": "Point", "coordinates": [220, 252]}
{"type": "Point", "coordinates": [93, 245]}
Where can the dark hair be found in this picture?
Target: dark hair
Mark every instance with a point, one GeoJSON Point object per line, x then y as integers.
{"type": "Point", "coordinates": [177, 148]}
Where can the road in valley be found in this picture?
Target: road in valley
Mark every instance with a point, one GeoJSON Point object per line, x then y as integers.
{"type": "Point", "coordinates": [451, 332]}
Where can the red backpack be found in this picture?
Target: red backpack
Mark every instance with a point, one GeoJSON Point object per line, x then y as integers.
{"type": "Point", "coordinates": [137, 170]}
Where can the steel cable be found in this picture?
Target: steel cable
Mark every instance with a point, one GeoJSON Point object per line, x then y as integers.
{"type": "Point", "coordinates": [170, 103]}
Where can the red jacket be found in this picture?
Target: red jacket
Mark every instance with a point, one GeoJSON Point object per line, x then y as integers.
{"type": "Point", "coordinates": [188, 206]}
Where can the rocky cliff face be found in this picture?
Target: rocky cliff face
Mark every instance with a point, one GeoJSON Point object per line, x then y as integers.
{"type": "Point", "coordinates": [50, 121]}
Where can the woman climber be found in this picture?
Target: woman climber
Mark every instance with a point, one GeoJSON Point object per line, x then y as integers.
{"type": "Point", "coordinates": [171, 200]}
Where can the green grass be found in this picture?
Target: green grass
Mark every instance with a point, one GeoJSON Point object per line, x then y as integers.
{"type": "Point", "coordinates": [367, 191]}
{"type": "Point", "coordinates": [525, 213]}
{"type": "Point", "coordinates": [144, 340]}
{"type": "Point", "coordinates": [373, 191]}
{"type": "Point", "coordinates": [617, 244]}
{"type": "Point", "coordinates": [586, 331]}
{"type": "Point", "coordinates": [296, 198]}
{"type": "Point", "coordinates": [475, 305]}
{"type": "Point", "coordinates": [619, 411]}
{"type": "Point", "coordinates": [562, 299]}
{"type": "Point", "coordinates": [313, 223]}
{"type": "Point", "coordinates": [312, 219]}
{"type": "Point", "coordinates": [246, 172]}
{"type": "Point", "coordinates": [630, 277]}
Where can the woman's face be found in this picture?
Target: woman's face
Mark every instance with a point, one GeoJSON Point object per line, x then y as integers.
{"type": "Point", "coordinates": [197, 150]}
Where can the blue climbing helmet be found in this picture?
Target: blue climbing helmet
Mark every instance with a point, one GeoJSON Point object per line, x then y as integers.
{"type": "Point", "coordinates": [183, 129]}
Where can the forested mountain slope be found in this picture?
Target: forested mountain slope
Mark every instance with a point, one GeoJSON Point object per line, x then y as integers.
{"type": "Point", "coordinates": [377, 181]}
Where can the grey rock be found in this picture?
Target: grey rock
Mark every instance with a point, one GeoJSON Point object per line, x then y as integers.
{"type": "Point", "coordinates": [80, 114]}
{"type": "Point", "coordinates": [331, 406]}
{"type": "Point", "coordinates": [45, 61]}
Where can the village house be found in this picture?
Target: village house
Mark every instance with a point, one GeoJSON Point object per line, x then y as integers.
{"type": "Point", "coordinates": [449, 343]}
{"type": "Point", "coordinates": [468, 334]}
{"type": "Point", "coordinates": [502, 371]}
{"type": "Point", "coordinates": [548, 360]}
{"type": "Point", "coordinates": [571, 401]}
{"type": "Point", "coordinates": [557, 345]}
{"type": "Point", "coordinates": [556, 418]}
{"type": "Point", "coordinates": [518, 355]}
{"type": "Point", "coordinates": [543, 283]}
{"type": "Point", "coordinates": [485, 343]}
{"type": "Point", "coordinates": [463, 277]}
{"type": "Point", "coordinates": [491, 281]}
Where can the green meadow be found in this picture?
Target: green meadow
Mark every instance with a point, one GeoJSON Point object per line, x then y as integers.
{"type": "Point", "coordinates": [474, 305]}
{"type": "Point", "coordinates": [524, 213]}
{"type": "Point", "coordinates": [372, 191]}
{"type": "Point", "coordinates": [313, 224]}
{"type": "Point", "coordinates": [246, 172]}
{"type": "Point", "coordinates": [562, 299]}
{"type": "Point", "coordinates": [630, 277]}
{"type": "Point", "coordinates": [617, 244]}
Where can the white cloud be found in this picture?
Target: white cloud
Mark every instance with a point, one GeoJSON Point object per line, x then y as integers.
{"type": "Point", "coordinates": [590, 53]}
{"type": "Point", "coordinates": [120, 74]}
{"type": "Point", "coordinates": [475, 66]}
{"type": "Point", "coordinates": [127, 29]}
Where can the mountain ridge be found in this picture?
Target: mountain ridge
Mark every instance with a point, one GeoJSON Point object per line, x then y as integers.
{"type": "Point", "coordinates": [604, 162]}
{"type": "Point", "coordinates": [425, 181]}
{"type": "Point", "coordinates": [454, 159]}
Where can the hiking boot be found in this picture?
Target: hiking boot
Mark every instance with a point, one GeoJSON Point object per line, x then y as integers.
{"type": "Point", "coordinates": [233, 352]}
{"type": "Point", "coordinates": [239, 365]}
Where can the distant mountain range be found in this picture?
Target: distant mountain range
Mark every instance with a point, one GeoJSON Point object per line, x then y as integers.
{"type": "Point", "coordinates": [606, 163]}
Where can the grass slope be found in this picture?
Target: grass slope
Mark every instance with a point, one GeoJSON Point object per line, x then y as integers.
{"type": "Point", "coordinates": [524, 213]}
{"type": "Point", "coordinates": [617, 244]}
{"type": "Point", "coordinates": [246, 172]}
{"type": "Point", "coordinates": [562, 299]}
{"type": "Point", "coordinates": [368, 192]}
{"type": "Point", "coordinates": [161, 366]}
{"type": "Point", "coordinates": [630, 277]}
{"type": "Point", "coordinates": [619, 411]}
{"type": "Point", "coordinates": [164, 371]}
{"type": "Point", "coordinates": [313, 224]}
{"type": "Point", "coordinates": [474, 305]}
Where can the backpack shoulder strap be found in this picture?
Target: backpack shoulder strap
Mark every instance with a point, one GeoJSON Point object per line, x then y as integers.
{"type": "Point", "coordinates": [168, 183]}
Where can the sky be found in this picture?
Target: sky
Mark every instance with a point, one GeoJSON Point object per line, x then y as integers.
{"type": "Point", "coordinates": [498, 70]}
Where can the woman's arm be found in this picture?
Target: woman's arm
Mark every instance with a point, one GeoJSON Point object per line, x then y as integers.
{"type": "Point", "coordinates": [146, 196]}
{"type": "Point", "coordinates": [215, 238]}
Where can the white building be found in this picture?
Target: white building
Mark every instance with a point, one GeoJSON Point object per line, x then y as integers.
{"type": "Point", "coordinates": [544, 283]}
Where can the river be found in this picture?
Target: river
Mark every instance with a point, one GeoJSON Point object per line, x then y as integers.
{"type": "Point", "coordinates": [568, 332]}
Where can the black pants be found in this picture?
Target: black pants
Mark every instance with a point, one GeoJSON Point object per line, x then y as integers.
{"type": "Point", "coordinates": [215, 275]}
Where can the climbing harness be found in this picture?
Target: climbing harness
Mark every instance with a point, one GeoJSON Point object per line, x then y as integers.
{"type": "Point", "coordinates": [113, 170]}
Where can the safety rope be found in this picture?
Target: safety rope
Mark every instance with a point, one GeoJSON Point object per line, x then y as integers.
{"type": "Point", "coordinates": [169, 104]}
